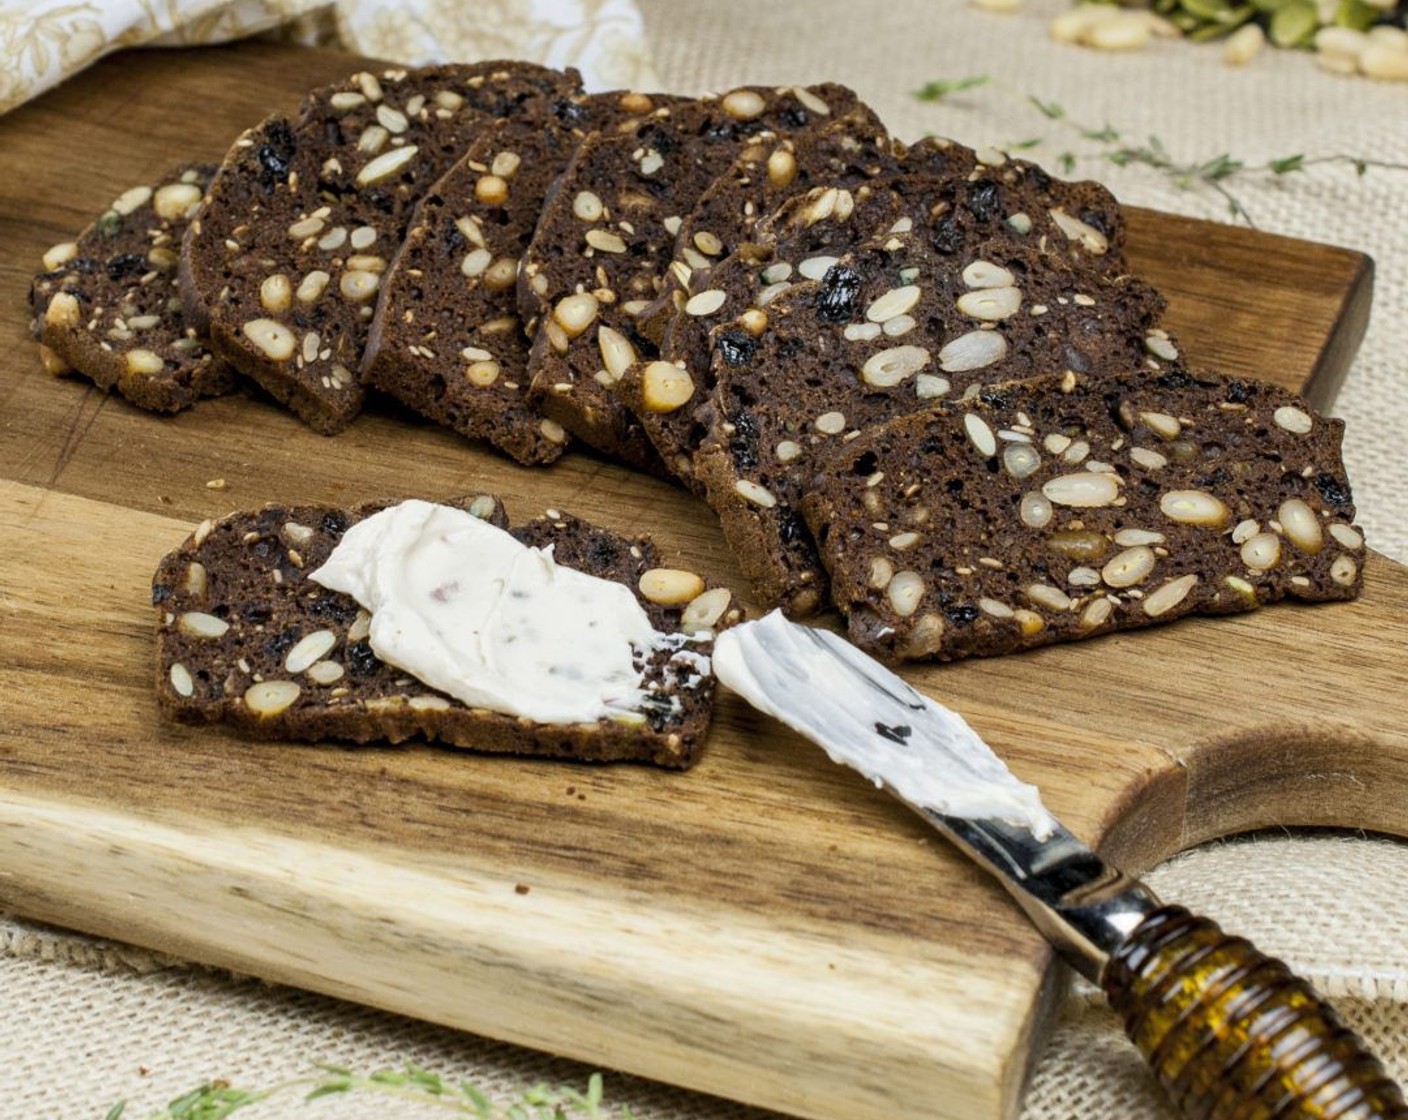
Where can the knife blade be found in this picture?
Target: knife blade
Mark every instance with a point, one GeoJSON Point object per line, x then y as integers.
{"type": "Point", "coordinates": [1230, 1033]}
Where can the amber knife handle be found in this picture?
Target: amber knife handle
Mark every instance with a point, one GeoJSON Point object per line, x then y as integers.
{"type": "Point", "coordinates": [1232, 1034]}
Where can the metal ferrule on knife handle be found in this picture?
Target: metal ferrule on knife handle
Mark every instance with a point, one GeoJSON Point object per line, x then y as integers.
{"type": "Point", "coordinates": [1083, 906]}
{"type": "Point", "coordinates": [1230, 1033]}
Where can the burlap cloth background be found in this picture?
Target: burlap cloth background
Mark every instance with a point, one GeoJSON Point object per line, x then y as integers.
{"type": "Point", "coordinates": [88, 1022]}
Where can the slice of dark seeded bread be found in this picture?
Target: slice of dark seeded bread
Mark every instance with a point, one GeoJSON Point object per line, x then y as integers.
{"type": "Point", "coordinates": [446, 338]}
{"type": "Point", "coordinates": [604, 243]}
{"type": "Point", "coordinates": [890, 328]}
{"type": "Point", "coordinates": [672, 406]}
{"type": "Point", "coordinates": [726, 222]}
{"type": "Point", "coordinates": [285, 258]}
{"type": "Point", "coordinates": [234, 603]}
{"type": "Point", "coordinates": [845, 152]}
{"type": "Point", "coordinates": [956, 195]}
{"type": "Point", "coordinates": [1060, 508]}
{"type": "Point", "coordinates": [108, 305]}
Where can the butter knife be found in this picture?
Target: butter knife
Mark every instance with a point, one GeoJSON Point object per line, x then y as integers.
{"type": "Point", "coordinates": [1230, 1033]}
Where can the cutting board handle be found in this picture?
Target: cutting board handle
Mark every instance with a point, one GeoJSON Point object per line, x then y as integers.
{"type": "Point", "coordinates": [1233, 1034]}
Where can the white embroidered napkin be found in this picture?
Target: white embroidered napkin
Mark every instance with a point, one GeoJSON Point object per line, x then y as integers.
{"type": "Point", "coordinates": [44, 41]}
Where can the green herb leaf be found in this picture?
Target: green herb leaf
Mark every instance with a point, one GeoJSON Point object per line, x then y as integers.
{"type": "Point", "coordinates": [1287, 165]}
{"type": "Point", "coordinates": [940, 88]}
{"type": "Point", "coordinates": [482, 1105]}
{"type": "Point", "coordinates": [1218, 168]}
{"type": "Point", "coordinates": [183, 1105]}
{"type": "Point", "coordinates": [1049, 109]}
{"type": "Point", "coordinates": [217, 1100]}
{"type": "Point", "coordinates": [428, 1081]}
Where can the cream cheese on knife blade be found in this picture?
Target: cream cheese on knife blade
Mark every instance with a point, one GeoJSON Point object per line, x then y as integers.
{"type": "Point", "coordinates": [464, 607]}
{"type": "Point", "coordinates": [866, 717]}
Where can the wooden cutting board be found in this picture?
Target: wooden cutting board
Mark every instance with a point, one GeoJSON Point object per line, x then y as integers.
{"type": "Point", "coordinates": [766, 926]}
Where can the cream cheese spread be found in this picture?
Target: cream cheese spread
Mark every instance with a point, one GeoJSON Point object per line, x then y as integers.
{"type": "Point", "coordinates": [467, 609]}
{"type": "Point", "coordinates": [866, 717]}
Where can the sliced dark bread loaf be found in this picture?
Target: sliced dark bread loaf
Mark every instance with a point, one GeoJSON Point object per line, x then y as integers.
{"type": "Point", "coordinates": [244, 637]}
{"type": "Point", "coordinates": [1002, 197]}
{"type": "Point", "coordinates": [108, 305]}
{"type": "Point", "coordinates": [890, 328]}
{"type": "Point", "coordinates": [285, 258]}
{"type": "Point", "coordinates": [446, 338]}
{"type": "Point", "coordinates": [604, 243]}
{"type": "Point", "coordinates": [1060, 508]}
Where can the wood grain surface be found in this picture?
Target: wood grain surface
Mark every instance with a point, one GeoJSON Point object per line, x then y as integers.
{"type": "Point", "coordinates": [766, 926]}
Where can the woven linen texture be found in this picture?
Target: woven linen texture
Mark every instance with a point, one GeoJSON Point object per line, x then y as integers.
{"type": "Point", "coordinates": [90, 1021]}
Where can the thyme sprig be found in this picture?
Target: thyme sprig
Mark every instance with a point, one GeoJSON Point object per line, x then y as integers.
{"type": "Point", "coordinates": [940, 88]}
{"type": "Point", "coordinates": [1215, 173]}
{"type": "Point", "coordinates": [216, 1100]}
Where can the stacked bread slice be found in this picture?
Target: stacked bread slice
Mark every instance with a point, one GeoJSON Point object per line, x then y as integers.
{"type": "Point", "coordinates": [108, 305]}
{"type": "Point", "coordinates": [1072, 505]}
{"type": "Point", "coordinates": [284, 263]}
{"type": "Point", "coordinates": [446, 339]}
